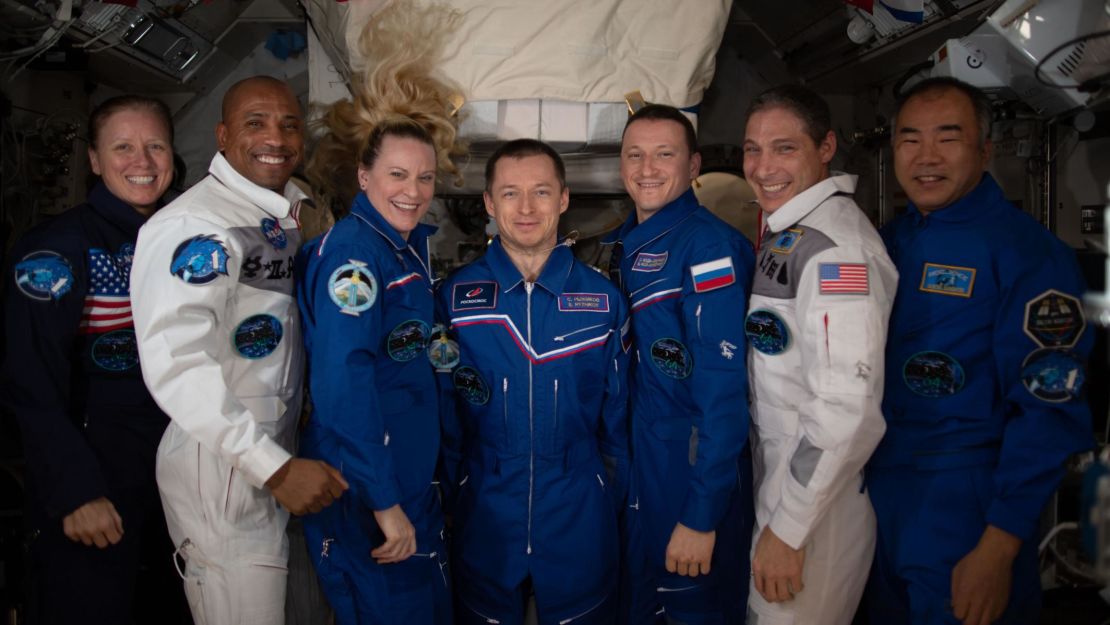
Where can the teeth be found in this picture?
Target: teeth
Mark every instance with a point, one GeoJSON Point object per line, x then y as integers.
{"type": "Point", "coordinates": [271, 160]}
{"type": "Point", "coordinates": [405, 207]}
{"type": "Point", "coordinates": [774, 188]}
{"type": "Point", "coordinates": [650, 185]}
{"type": "Point", "coordinates": [929, 178]}
{"type": "Point", "coordinates": [140, 179]}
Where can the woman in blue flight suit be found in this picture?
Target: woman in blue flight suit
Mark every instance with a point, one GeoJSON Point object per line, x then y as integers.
{"type": "Point", "coordinates": [365, 294]}
{"type": "Point", "coordinates": [71, 377]}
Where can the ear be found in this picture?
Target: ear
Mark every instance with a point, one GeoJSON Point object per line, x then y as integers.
{"type": "Point", "coordinates": [564, 199]}
{"type": "Point", "coordinates": [94, 162]}
{"type": "Point", "coordinates": [488, 202]}
{"type": "Point", "coordinates": [363, 178]}
{"type": "Point", "coordinates": [827, 149]}
{"type": "Point", "coordinates": [221, 136]}
{"type": "Point", "coordinates": [695, 165]}
{"type": "Point", "coordinates": [988, 151]}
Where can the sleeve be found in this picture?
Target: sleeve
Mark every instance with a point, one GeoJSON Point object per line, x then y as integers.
{"type": "Point", "coordinates": [451, 430]}
{"type": "Point", "coordinates": [184, 276]}
{"type": "Point", "coordinates": [841, 321]}
{"type": "Point", "coordinates": [1041, 346]}
{"type": "Point", "coordinates": [615, 434]}
{"type": "Point", "coordinates": [42, 311]}
{"type": "Point", "coordinates": [716, 287]}
{"type": "Point", "coordinates": [342, 296]}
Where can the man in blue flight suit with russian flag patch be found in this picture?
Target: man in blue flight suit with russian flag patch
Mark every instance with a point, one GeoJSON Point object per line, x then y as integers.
{"type": "Point", "coordinates": [984, 385]}
{"type": "Point", "coordinates": [687, 274]}
{"type": "Point", "coordinates": [535, 404]}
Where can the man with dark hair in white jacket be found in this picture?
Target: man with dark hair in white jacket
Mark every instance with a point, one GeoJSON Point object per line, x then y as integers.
{"type": "Point", "coordinates": [817, 321]}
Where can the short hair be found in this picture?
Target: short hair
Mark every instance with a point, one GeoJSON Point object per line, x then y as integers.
{"type": "Point", "coordinates": [979, 101]}
{"type": "Point", "coordinates": [262, 79]}
{"type": "Point", "coordinates": [400, 127]}
{"type": "Point", "coordinates": [665, 113]}
{"type": "Point", "coordinates": [803, 102]}
{"type": "Point", "coordinates": [129, 102]}
{"type": "Point", "coordinates": [523, 148]}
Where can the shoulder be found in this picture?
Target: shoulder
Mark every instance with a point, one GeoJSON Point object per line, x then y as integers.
{"type": "Point", "coordinates": [206, 201]}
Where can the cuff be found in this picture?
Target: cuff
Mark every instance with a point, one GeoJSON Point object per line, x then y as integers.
{"type": "Point", "coordinates": [1013, 519]}
{"type": "Point", "coordinates": [702, 512]}
{"type": "Point", "coordinates": [788, 530]}
{"type": "Point", "coordinates": [260, 462]}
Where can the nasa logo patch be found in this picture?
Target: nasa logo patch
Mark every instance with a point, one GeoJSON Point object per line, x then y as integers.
{"type": "Point", "coordinates": [407, 340]}
{"type": "Point", "coordinates": [933, 374]}
{"type": "Point", "coordinates": [947, 279]}
{"type": "Point", "coordinates": [649, 262]}
{"type": "Point", "coordinates": [767, 332]}
{"type": "Point", "coordinates": [257, 336]}
{"type": "Point", "coordinates": [469, 384]}
{"type": "Point", "coordinates": [124, 258]}
{"type": "Point", "coordinates": [1054, 319]}
{"type": "Point", "coordinates": [352, 287]}
{"type": "Point", "coordinates": [274, 233]}
{"type": "Point", "coordinates": [200, 259]}
{"type": "Point", "coordinates": [44, 276]}
{"type": "Point", "coordinates": [1053, 375]}
{"type": "Point", "coordinates": [115, 351]}
{"type": "Point", "coordinates": [474, 296]}
{"type": "Point", "coordinates": [672, 358]}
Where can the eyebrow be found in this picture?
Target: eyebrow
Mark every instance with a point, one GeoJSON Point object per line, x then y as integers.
{"type": "Point", "coordinates": [942, 128]}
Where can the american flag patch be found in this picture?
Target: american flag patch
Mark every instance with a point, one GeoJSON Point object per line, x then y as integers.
{"type": "Point", "coordinates": [713, 274]}
{"type": "Point", "coordinates": [843, 278]}
{"type": "Point", "coordinates": [108, 300]}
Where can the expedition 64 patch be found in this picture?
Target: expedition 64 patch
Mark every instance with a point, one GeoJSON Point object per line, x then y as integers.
{"type": "Point", "coordinates": [352, 287]}
{"type": "Point", "coordinates": [1054, 319]}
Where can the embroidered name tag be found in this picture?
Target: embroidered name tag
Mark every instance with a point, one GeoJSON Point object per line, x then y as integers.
{"type": "Point", "coordinates": [947, 280]}
{"type": "Point", "coordinates": [474, 295]}
{"type": "Point", "coordinates": [584, 302]}
{"type": "Point", "coordinates": [649, 262]}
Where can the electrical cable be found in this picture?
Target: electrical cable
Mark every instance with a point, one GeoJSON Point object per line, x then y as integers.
{"type": "Point", "coordinates": [1071, 42]}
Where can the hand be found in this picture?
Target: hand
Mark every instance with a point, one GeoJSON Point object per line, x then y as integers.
{"type": "Point", "coordinates": [95, 523]}
{"type": "Point", "coordinates": [981, 580]}
{"type": "Point", "coordinates": [400, 536]}
{"type": "Point", "coordinates": [304, 486]}
{"type": "Point", "coordinates": [777, 567]}
{"type": "Point", "coordinates": [690, 551]}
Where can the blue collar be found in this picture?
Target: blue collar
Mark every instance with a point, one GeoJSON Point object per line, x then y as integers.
{"type": "Point", "coordinates": [635, 235]}
{"type": "Point", "coordinates": [364, 210]}
{"type": "Point", "coordinates": [553, 276]}
{"type": "Point", "coordinates": [975, 205]}
{"type": "Point", "coordinates": [120, 213]}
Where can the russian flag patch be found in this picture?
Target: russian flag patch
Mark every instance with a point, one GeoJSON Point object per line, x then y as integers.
{"type": "Point", "coordinates": [713, 274]}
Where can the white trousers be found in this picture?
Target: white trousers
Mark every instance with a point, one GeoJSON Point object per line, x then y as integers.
{"type": "Point", "coordinates": [838, 552]}
{"type": "Point", "coordinates": [230, 535]}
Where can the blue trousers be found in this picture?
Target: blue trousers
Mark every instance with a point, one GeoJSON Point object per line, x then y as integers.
{"type": "Point", "coordinates": [928, 520]}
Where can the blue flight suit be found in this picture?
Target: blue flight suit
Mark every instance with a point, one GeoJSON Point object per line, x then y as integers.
{"type": "Point", "coordinates": [365, 296]}
{"type": "Point", "coordinates": [687, 275]}
{"type": "Point", "coordinates": [984, 399]}
{"type": "Point", "coordinates": [90, 429]}
{"type": "Point", "coordinates": [534, 412]}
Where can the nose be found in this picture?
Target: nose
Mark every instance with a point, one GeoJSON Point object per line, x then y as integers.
{"type": "Point", "coordinates": [647, 165]}
{"type": "Point", "coordinates": [272, 135]}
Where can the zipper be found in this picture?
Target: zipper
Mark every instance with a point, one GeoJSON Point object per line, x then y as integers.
{"type": "Point", "coordinates": [325, 548]}
{"type": "Point", "coordinates": [561, 338]}
{"type": "Point", "coordinates": [490, 620]}
{"type": "Point", "coordinates": [531, 422]}
{"type": "Point", "coordinates": [697, 315]}
{"type": "Point", "coordinates": [555, 428]}
{"type": "Point", "coordinates": [578, 616]}
{"type": "Point", "coordinates": [505, 407]}
{"type": "Point", "coordinates": [665, 589]}
{"type": "Point", "coordinates": [600, 481]}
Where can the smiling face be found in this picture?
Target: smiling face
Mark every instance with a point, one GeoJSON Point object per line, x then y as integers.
{"type": "Point", "coordinates": [401, 182]}
{"type": "Point", "coordinates": [134, 157]}
{"type": "Point", "coordinates": [262, 133]}
{"type": "Point", "coordinates": [525, 200]}
{"type": "Point", "coordinates": [780, 158]}
{"type": "Point", "coordinates": [656, 164]}
{"type": "Point", "coordinates": [939, 153]}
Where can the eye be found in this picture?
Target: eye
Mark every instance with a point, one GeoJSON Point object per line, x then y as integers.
{"type": "Point", "coordinates": [543, 192]}
{"type": "Point", "coordinates": [158, 147]}
{"type": "Point", "coordinates": [785, 149]}
{"type": "Point", "coordinates": [399, 175]}
{"type": "Point", "coordinates": [751, 149]}
{"type": "Point", "coordinates": [292, 126]}
{"type": "Point", "coordinates": [632, 155]}
{"type": "Point", "coordinates": [666, 154]}
{"type": "Point", "coordinates": [254, 123]}
{"type": "Point", "coordinates": [428, 178]}
{"type": "Point", "coordinates": [508, 195]}
{"type": "Point", "coordinates": [122, 147]}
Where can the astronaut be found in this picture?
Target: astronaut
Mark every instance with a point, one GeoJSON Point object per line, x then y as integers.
{"type": "Point", "coordinates": [821, 297]}
{"type": "Point", "coordinates": [984, 386]}
{"type": "Point", "coordinates": [534, 410]}
{"type": "Point", "coordinates": [365, 294]}
{"type": "Point", "coordinates": [686, 274]}
{"type": "Point", "coordinates": [220, 346]}
{"type": "Point", "coordinates": [71, 378]}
